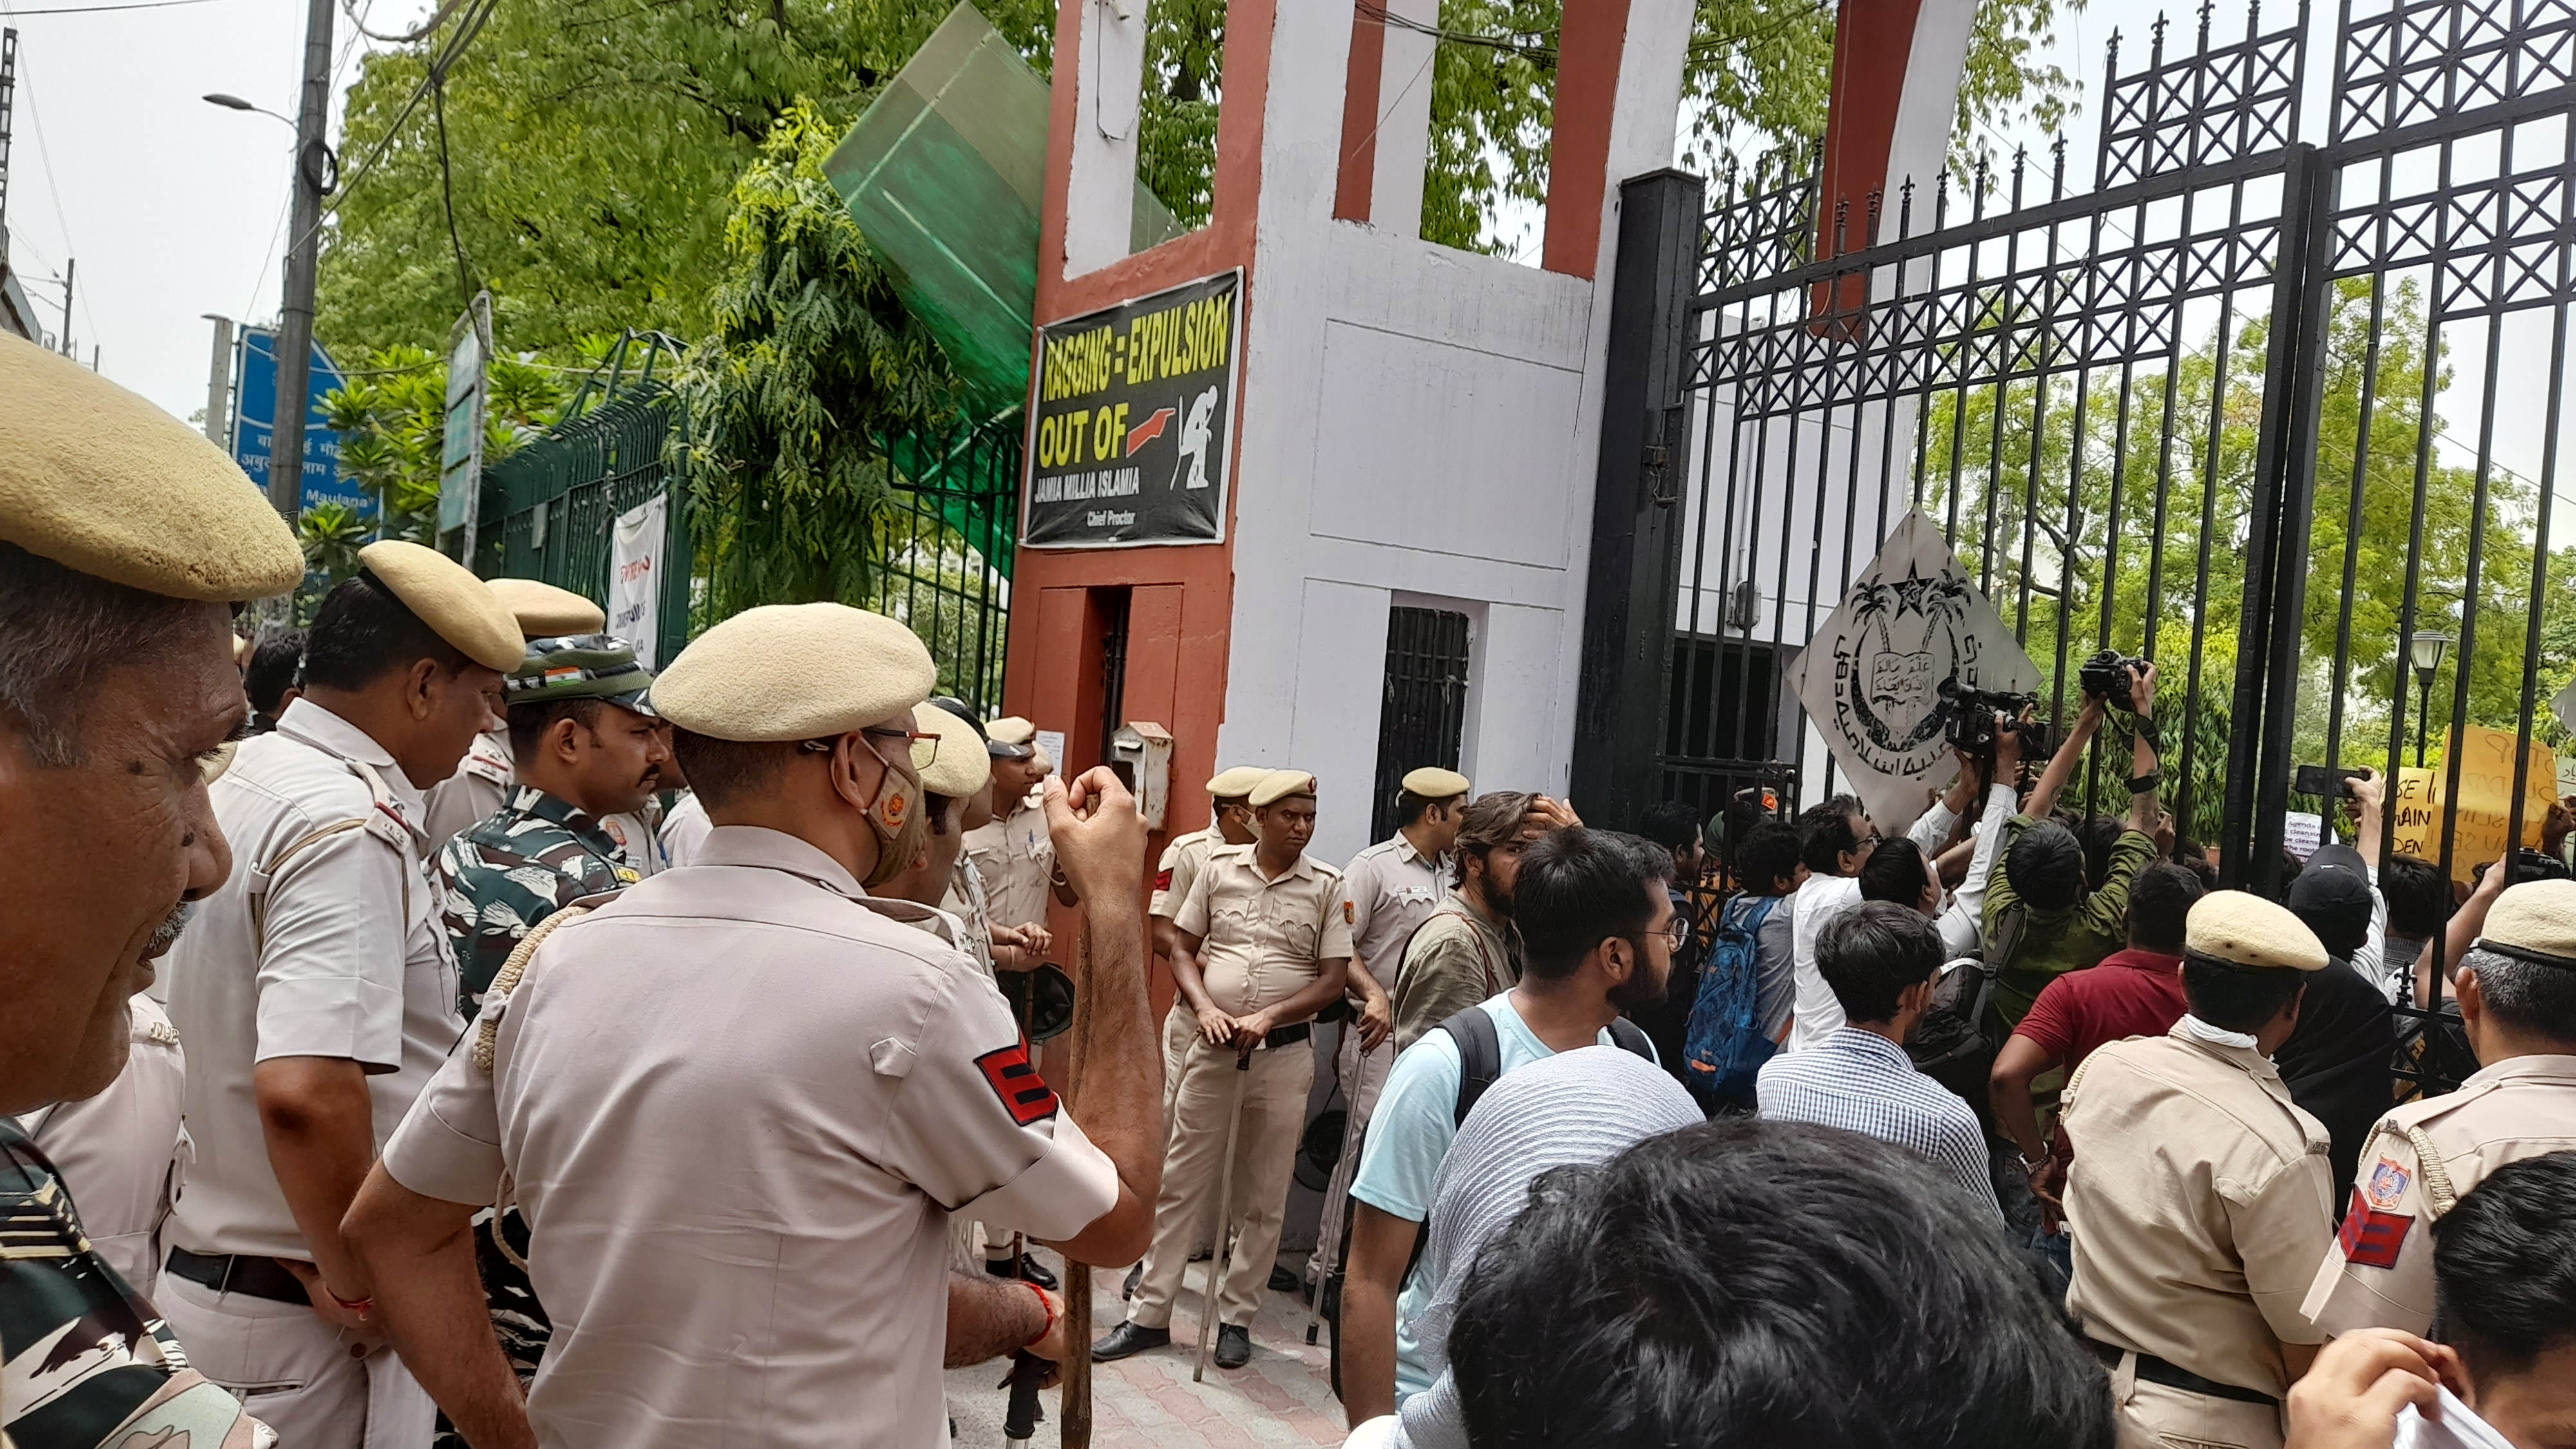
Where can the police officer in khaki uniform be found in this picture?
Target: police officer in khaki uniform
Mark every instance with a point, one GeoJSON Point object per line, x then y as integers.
{"type": "Point", "coordinates": [2199, 1198]}
{"type": "Point", "coordinates": [1388, 891]}
{"type": "Point", "coordinates": [1263, 947]}
{"type": "Point", "coordinates": [1013, 850]}
{"type": "Point", "coordinates": [125, 540]}
{"type": "Point", "coordinates": [317, 994]}
{"type": "Point", "coordinates": [483, 778]}
{"type": "Point", "coordinates": [739, 1104]}
{"type": "Point", "coordinates": [2517, 993]}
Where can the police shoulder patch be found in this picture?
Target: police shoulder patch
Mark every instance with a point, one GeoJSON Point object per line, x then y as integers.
{"type": "Point", "coordinates": [2387, 1185]}
{"type": "Point", "coordinates": [1025, 1094]}
{"type": "Point", "coordinates": [2371, 1237]}
{"type": "Point", "coordinates": [1350, 913]}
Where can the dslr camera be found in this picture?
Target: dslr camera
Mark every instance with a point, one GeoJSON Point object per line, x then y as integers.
{"type": "Point", "coordinates": [2109, 676]}
{"type": "Point", "coordinates": [1969, 717]}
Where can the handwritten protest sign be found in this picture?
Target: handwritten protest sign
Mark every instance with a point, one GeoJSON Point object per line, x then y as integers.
{"type": "Point", "coordinates": [2485, 804]}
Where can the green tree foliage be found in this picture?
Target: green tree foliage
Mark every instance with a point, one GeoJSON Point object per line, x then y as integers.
{"type": "Point", "coordinates": [391, 418]}
{"type": "Point", "coordinates": [813, 360]}
{"type": "Point", "coordinates": [332, 533]}
{"type": "Point", "coordinates": [591, 147]}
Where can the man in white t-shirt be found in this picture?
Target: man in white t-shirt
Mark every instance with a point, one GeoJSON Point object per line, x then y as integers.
{"type": "Point", "coordinates": [1598, 932]}
{"type": "Point", "coordinates": [1835, 841]}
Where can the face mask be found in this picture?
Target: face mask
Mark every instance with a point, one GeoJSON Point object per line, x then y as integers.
{"type": "Point", "coordinates": [903, 831]}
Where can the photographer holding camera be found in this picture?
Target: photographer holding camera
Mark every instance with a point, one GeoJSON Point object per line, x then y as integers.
{"type": "Point", "coordinates": [2040, 920]}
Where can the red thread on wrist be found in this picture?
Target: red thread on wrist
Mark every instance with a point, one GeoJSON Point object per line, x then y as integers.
{"type": "Point", "coordinates": [353, 1305]}
{"type": "Point", "coordinates": [1046, 1306]}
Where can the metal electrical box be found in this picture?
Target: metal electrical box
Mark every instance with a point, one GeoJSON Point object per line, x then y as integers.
{"type": "Point", "coordinates": [1141, 754]}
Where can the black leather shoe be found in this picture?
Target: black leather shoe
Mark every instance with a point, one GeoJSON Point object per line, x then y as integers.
{"type": "Point", "coordinates": [1135, 1276]}
{"type": "Point", "coordinates": [1233, 1346]}
{"type": "Point", "coordinates": [1128, 1339]}
{"type": "Point", "coordinates": [1282, 1280]}
{"type": "Point", "coordinates": [1030, 1269]}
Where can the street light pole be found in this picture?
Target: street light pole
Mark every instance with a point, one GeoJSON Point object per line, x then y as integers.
{"type": "Point", "coordinates": [2424, 649]}
{"type": "Point", "coordinates": [303, 253]}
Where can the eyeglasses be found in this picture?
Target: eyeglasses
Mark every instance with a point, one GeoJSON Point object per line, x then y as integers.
{"type": "Point", "coordinates": [1676, 932]}
{"type": "Point", "coordinates": [925, 747]}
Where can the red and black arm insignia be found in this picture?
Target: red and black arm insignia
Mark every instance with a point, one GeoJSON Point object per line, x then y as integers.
{"type": "Point", "coordinates": [1163, 879]}
{"type": "Point", "coordinates": [1025, 1094]}
{"type": "Point", "coordinates": [2370, 1236]}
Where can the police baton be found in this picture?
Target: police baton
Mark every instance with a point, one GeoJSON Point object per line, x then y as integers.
{"type": "Point", "coordinates": [1224, 1253]}
{"type": "Point", "coordinates": [1073, 1405]}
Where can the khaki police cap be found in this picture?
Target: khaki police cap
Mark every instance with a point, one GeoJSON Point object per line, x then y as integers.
{"type": "Point", "coordinates": [1236, 783]}
{"type": "Point", "coordinates": [1433, 783]}
{"type": "Point", "coordinates": [456, 606]}
{"type": "Point", "coordinates": [1010, 729]}
{"type": "Point", "coordinates": [2233, 928]}
{"type": "Point", "coordinates": [580, 666]}
{"type": "Point", "coordinates": [1278, 785]}
{"type": "Point", "coordinates": [795, 672]}
{"type": "Point", "coordinates": [958, 767]}
{"type": "Point", "coordinates": [98, 480]}
{"type": "Point", "coordinates": [547, 612]}
{"type": "Point", "coordinates": [2534, 921]}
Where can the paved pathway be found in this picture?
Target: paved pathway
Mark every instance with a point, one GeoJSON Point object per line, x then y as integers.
{"type": "Point", "coordinates": [1284, 1397]}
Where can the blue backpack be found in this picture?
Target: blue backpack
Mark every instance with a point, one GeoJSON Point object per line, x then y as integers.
{"type": "Point", "coordinates": [1725, 1046]}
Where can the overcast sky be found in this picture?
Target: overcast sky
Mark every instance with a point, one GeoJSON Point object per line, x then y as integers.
{"type": "Point", "coordinates": [174, 207]}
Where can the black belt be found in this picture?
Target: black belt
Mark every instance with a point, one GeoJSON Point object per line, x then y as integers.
{"type": "Point", "coordinates": [1281, 1036]}
{"type": "Point", "coordinates": [240, 1273]}
{"type": "Point", "coordinates": [2157, 1371]}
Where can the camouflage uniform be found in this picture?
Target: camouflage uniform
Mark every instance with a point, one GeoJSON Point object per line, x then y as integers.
{"type": "Point", "coordinates": [526, 861]}
{"type": "Point", "coordinates": [86, 1360]}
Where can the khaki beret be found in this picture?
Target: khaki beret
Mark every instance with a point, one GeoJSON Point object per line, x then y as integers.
{"type": "Point", "coordinates": [795, 672]}
{"type": "Point", "coordinates": [1236, 783]}
{"type": "Point", "coordinates": [2233, 928]}
{"type": "Point", "coordinates": [98, 480]}
{"type": "Point", "coordinates": [456, 606]}
{"type": "Point", "coordinates": [959, 767]}
{"type": "Point", "coordinates": [547, 612]}
{"type": "Point", "coordinates": [1433, 783]}
{"type": "Point", "coordinates": [2534, 921]}
{"type": "Point", "coordinates": [1278, 785]}
{"type": "Point", "coordinates": [1010, 729]}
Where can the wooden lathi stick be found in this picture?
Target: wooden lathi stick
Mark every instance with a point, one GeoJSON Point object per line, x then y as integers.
{"type": "Point", "coordinates": [1073, 1409]}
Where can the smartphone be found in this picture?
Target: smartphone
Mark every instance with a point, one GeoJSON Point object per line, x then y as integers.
{"type": "Point", "coordinates": [2318, 780]}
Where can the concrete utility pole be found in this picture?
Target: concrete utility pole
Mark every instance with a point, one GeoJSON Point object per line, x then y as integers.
{"type": "Point", "coordinates": [219, 376]}
{"type": "Point", "coordinates": [304, 235]}
{"type": "Point", "coordinates": [69, 263]}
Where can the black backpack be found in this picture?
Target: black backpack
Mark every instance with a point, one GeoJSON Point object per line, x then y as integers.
{"type": "Point", "coordinates": [1480, 1056]}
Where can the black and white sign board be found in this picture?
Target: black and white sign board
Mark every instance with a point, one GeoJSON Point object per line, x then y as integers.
{"type": "Point", "coordinates": [1132, 438]}
{"type": "Point", "coordinates": [1870, 679]}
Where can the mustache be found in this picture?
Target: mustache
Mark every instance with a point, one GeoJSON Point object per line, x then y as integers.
{"type": "Point", "coordinates": [167, 933]}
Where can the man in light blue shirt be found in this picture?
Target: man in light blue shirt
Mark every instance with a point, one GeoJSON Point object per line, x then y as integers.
{"type": "Point", "coordinates": [1598, 931]}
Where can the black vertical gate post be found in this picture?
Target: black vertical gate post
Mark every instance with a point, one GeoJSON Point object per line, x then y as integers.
{"type": "Point", "coordinates": [1628, 609]}
{"type": "Point", "coordinates": [2278, 529]}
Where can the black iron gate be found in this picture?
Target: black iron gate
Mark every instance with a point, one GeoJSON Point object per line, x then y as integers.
{"type": "Point", "coordinates": [2259, 407]}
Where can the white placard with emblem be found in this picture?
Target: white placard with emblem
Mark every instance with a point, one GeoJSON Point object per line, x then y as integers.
{"type": "Point", "coordinates": [1870, 679]}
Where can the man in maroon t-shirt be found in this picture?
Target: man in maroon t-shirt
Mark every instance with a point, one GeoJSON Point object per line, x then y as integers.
{"type": "Point", "coordinates": [2136, 992]}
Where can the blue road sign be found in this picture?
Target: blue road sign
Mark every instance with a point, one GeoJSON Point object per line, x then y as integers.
{"type": "Point", "coordinates": [255, 412]}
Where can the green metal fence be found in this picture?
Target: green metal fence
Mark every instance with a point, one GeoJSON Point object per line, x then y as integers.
{"type": "Point", "coordinates": [559, 499]}
{"type": "Point", "coordinates": [949, 527]}
{"type": "Point", "coordinates": [946, 528]}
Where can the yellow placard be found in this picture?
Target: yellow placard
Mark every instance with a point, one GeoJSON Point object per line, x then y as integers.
{"type": "Point", "coordinates": [2486, 800]}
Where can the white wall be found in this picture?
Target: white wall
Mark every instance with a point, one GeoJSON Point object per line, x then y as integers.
{"type": "Point", "coordinates": [1421, 426]}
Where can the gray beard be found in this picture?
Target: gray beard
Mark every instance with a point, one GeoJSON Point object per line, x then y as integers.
{"type": "Point", "coordinates": [167, 933]}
